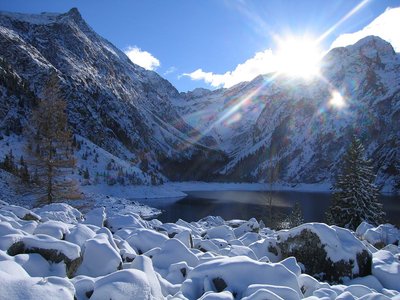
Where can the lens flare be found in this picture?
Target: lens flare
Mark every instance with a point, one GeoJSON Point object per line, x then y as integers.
{"type": "Point", "coordinates": [337, 100]}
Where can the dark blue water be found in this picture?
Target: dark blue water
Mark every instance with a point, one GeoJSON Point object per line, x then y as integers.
{"type": "Point", "coordinates": [247, 204]}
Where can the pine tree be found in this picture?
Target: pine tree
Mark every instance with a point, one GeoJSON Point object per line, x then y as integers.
{"type": "Point", "coordinates": [51, 138]}
{"type": "Point", "coordinates": [355, 196]}
{"type": "Point", "coordinates": [296, 216]}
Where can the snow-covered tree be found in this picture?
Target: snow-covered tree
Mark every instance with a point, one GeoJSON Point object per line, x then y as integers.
{"type": "Point", "coordinates": [296, 216]}
{"type": "Point", "coordinates": [355, 196]}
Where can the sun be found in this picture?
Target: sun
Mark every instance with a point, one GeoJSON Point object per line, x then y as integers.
{"type": "Point", "coordinates": [298, 56]}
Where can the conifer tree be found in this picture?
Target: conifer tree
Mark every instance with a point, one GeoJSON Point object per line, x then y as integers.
{"type": "Point", "coordinates": [51, 139]}
{"type": "Point", "coordinates": [355, 196]}
{"type": "Point", "coordinates": [296, 216]}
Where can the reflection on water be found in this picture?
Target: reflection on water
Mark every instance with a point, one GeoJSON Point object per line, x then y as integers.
{"type": "Point", "coordinates": [248, 204]}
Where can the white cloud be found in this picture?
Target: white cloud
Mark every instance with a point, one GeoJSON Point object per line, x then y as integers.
{"type": "Point", "coordinates": [385, 26]}
{"type": "Point", "coordinates": [261, 63]}
{"type": "Point", "coordinates": [142, 58]}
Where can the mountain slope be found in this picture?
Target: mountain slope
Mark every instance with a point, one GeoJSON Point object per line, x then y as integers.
{"type": "Point", "coordinates": [285, 128]}
{"type": "Point", "coordinates": [114, 103]}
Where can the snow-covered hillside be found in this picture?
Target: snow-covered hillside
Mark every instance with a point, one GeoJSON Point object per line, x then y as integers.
{"type": "Point", "coordinates": [55, 252]}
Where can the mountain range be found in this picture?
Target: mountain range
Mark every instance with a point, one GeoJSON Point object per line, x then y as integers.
{"type": "Point", "coordinates": [274, 127]}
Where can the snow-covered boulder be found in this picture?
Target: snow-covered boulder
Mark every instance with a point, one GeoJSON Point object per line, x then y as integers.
{"type": "Point", "coordinates": [125, 284]}
{"type": "Point", "coordinates": [142, 240]}
{"type": "Point", "coordinates": [386, 268]}
{"type": "Point", "coordinates": [382, 235]}
{"type": "Point", "coordinates": [281, 291]}
{"type": "Point", "coordinates": [143, 263]}
{"type": "Point", "coordinates": [37, 266]}
{"type": "Point", "coordinates": [327, 252]}
{"type": "Point", "coordinates": [99, 257]}
{"type": "Point", "coordinates": [16, 284]}
{"type": "Point", "coordinates": [17, 223]}
{"type": "Point", "coordinates": [174, 251]}
{"type": "Point", "coordinates": [56, 229]}
{"type": "Point", "coordinates": [79, 234]}
{"type": "Point", "coordinates": [96, 216]}
{"type": "Point", "coordinates": [236, 274]}
{"type": "Point", "coordinates": [249, 238]}
{"type": "Point", "coordinates": [59, 212]}
{"type": "Point", "coordinates": [238, 250]}
{"type": "Point", "coordinates": [119, 221]}
{"type": "Point", "coordinates": [21, 212]}
{"type": "Point", "coordinates": [221, 232]}
{"type": "Point", "coordinates": [51, 249]}
{"type": "Point", "coordinates": [266, 248]}
{"type": "Point", "coordinates": [362, 228]}
{"type": "Point", "coordinates": [249, 226]}
{"type": "Point", "coordinates": [84, 287]}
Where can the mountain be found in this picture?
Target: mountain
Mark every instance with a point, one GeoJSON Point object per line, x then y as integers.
{"type": "Point", "coordinates": [112, 102]}
{"type": "Point", "coordinates": [273, 127]}
{"type": "Point", "coordinates": [286, 128]}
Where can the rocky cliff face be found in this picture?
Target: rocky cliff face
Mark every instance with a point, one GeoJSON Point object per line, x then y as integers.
{"type": "Point", "coordinates": [114, 103]}
{"type": "Point", "coordinates": [293, 132]}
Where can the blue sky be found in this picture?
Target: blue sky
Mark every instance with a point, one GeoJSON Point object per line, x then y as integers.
{"type": "Point", "coordinates": [212, 35]}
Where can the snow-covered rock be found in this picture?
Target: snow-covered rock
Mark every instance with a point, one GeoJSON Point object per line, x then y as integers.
{"type": "Point", "coordinates": [386, 268]}
{"type": "Point", "coordinates": [79, 234]}
{"type": "Point", "coordinates": [143, 263]}
{"type": "Point", "coordinates": [56, 229]}
{"type": "Point", "coordinates": [327, 252]}
{"type": "Point", "coordinates": [59, 212]}
{"type": "Point", "coordinates": [99, 257]}
{"type": "Point", "coordinates": [143, 240]}
{"type": "Point", "coordinates": [51, 249]}
{"type": "Point", "coordinates": [15, 283]}
{"type": "Point", "coordinates": [236, 274]}
{"type": "Point", "coordinates": [173, 251]}
{"type": "Point", "coordinates": [118, 221]}
{"type": "Point", "coordinates": [96, 216]}
{"type": "Point", "coordinates": [123, 285]}
{"type": "Point", "coordinates": [382, 235]}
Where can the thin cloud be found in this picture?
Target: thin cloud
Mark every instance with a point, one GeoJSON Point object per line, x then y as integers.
{"type": "Point", "coordinates": [142, 58]}
{"type": "Point", "coordinates": [170, 70]}
{"type": "Point", "coordinates": [386, 26]}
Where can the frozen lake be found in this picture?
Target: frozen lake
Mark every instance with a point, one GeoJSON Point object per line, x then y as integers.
{"type": "Point", "coordinates": [247, 204]}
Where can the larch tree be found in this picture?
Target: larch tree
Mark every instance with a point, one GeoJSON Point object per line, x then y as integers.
{"type": "Point", "coordinates": [355, 196]}
{"type": "Point", "coordinates": [50, 150]}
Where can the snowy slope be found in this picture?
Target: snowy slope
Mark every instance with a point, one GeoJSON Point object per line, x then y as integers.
{"type": "Point", "coordinates": [114, 103]}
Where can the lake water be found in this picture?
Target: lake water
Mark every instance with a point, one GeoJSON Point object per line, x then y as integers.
{"type": "Point", "coordinates": [247, 204]}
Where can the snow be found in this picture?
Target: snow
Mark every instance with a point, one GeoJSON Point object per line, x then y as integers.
{"type": "Point", "coordinates": [15, 283]}
{"type": "Point", "coordinates": [41, 241]}
{"type": "Point", "coordinates": [339, 243]}
{"type": "Point", "coordinates": [55, 229]}
{"type": "Point", "coordinates": [238, 273]}
{"type": "Point", "coordinates": [59, 212]}
{"type": "Point", "coordinates": [99, 257]}
{"type": "Point", "coordinates": [386, 268]}
{"type": "Point", "coordinates": [152, 260]}
{"type": "Point", "coordinates": [123, 285]}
